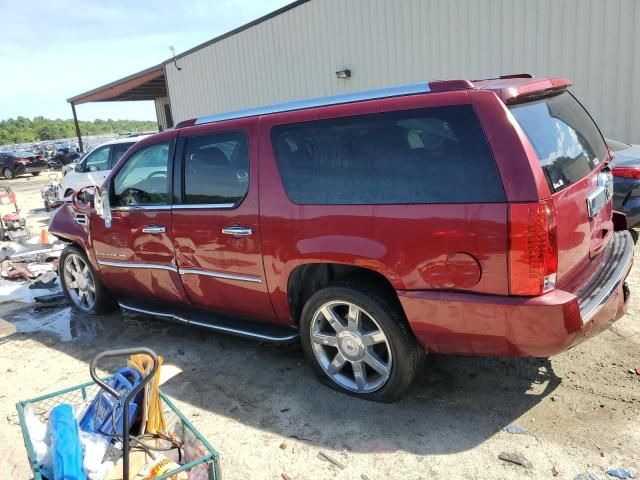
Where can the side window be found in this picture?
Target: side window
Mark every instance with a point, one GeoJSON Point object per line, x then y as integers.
{"type": "Point", "coordinates": [118, 150]}
{"type": "Point", "coordinates": [98, 160]}
{"type": "Point", "coordinates": [143, 180]}
{"type": "Point", "coordinates": [432, 155]}
{"type": "Point", "coordinates": [216, 168]}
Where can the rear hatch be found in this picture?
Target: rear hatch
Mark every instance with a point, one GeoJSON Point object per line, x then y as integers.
{"type": "Point", "coordinates": [574, 158]}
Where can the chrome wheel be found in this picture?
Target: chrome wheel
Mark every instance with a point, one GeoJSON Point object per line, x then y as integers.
{"type": "Point", "coordinates": [79, 282]}
{"type": "Point", "coordinates": [350, 347]}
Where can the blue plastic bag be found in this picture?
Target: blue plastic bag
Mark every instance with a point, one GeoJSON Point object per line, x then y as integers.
{"type": "Point", "coordinates": [66, 451]}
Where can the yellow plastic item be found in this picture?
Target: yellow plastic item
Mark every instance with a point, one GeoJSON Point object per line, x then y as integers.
{"type": "Point", "coordinates": [152, 416]}
{"type": "Point", "coordinates": [147, 468]}
{"type": "Point", "coordinates": [158, 467]}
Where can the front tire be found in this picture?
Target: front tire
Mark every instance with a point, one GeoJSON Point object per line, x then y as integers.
{"type": "Point", "coordinates": [81, 286]}
{"type": "Point", "coordinates": [358, 342]}
{"type": "Point", "coordinates": [35, 174]}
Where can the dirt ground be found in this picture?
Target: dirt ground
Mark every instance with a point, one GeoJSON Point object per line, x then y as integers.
{"type": "Point", "coordinates": [262, 408]}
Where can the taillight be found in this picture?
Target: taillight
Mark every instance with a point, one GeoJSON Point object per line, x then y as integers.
{"type": "Point", "coordinates": [533, 248]}
{"type": "Point", "coordinates": [626, 172]}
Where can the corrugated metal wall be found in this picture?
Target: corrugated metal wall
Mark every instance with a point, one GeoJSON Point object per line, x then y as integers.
{"type": "Point", "coordinates": [160, 102]}
{"type": "Point", "coordinates": [596, 43]}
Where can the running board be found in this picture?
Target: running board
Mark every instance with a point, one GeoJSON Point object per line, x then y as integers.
{"type": "Point", "coordinates": [266, 332]}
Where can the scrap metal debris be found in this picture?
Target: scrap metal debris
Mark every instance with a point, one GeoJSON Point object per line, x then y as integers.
{"type": "Point", "coordinates": [515, 458]}
{"type": "Point", "coordinates": [28, 271]}
{"type": "Point", "coordinates": [328, 458]}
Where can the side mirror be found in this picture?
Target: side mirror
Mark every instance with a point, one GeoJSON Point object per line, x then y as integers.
{"type": "Point", "coordinates": [103, 207]}
{"type": "Point", "coordinates": [78, 168]}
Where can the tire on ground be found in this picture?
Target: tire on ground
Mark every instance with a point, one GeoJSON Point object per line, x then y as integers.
{"type": "Point", "coordinates": [105, 301]}
{"type": "Point", "coordinates": [407, 355]}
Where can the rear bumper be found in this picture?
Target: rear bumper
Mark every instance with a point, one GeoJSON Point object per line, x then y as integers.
{"type": "Point", "coordinates": [31, 168]}
{"type": "Point", "coordinates": [471, 324]}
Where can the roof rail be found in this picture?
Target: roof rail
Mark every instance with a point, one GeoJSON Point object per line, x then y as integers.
{"type": "Point", "coordinates": [399, 91]}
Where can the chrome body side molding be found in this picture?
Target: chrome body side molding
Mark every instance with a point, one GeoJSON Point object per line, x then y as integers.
{"type": "Point", "coordinates": [181, 271]}
{"type": "Point", "coordinates": [226, 276]}
{"type": "Point", "coordinates": [156, 266]}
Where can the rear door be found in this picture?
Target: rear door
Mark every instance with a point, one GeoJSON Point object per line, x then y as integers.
{"type": "Point", "coordinates": [135, 253]}
{"type": "Point", "coordinates": [573, 156]}
{"type": "Point", "coordinates": [216, 220]}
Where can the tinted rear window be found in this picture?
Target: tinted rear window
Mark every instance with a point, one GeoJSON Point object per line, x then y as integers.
{"type": "Point", "coordinates": [435, 155]}
{"type": "Point", "coordinates": [565, 138]}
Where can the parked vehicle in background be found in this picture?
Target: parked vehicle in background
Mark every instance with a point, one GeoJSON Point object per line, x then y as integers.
{"type": "Point", "coordinates": [452, 217]}
{"type": "Point", "coordinates": [64, 156]}
{"type": "Point", "coordinates": [626, 182]}
{"type": "Point", "coordinates": [13, 164]}
{"type": "Point", "coordinates": [95, 166]}
{"type": "Point", "coordinates": [70, 167]}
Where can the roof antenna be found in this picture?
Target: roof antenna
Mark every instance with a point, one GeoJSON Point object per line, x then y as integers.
{"type": "Point", "coordinates": [173, 52]}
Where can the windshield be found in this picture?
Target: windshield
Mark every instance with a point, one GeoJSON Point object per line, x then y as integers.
{"type": "Point", "coordinates": [565, 138]}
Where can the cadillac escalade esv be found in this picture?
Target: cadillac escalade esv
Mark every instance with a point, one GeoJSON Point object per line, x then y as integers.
{"type": "Point", "coordinates": [454, 217]}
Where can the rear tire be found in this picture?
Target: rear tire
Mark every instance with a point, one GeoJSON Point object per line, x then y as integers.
{"type": "Point", "coordinates": [366, 349]}
{"type": "Point", "coordinates": [81, 286]}
{"type": "Point", "coordinates": [634, 235]}
{"type": "Point", "coordinates": [8, 173]}
{"type": "Point", "coordinates": [35, 174]}
{"type": "Point", "coordinates": [68, 193]}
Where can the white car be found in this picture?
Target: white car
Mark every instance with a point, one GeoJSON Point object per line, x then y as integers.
{"type": "Point", "coordinates": [95, 166]}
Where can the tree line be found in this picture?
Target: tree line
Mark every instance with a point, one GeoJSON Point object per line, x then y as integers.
{"type": "Point", "coordinates": [24, 130]}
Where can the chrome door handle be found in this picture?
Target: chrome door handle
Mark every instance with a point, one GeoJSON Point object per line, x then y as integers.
{"type": "Point", "coordinates": [237, 231]}
{"type": "Point", "coordinates": [154, 229]}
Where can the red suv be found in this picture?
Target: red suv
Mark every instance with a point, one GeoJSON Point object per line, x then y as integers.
{"type": "Point", "coordinates": [450, 217]}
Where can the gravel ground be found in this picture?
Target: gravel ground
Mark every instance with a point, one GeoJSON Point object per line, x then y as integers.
{"type": "Point", "coordinates": [261, 407]}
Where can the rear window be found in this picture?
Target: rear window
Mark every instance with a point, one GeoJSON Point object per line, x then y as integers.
{"type": "Point", "coordinates": [434, 155]}
{"type": "Point", "coordinates": [565, 138]}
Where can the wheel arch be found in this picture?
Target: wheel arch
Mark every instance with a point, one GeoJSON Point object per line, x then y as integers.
{"type": "Point", "coordinates": [306, 279]}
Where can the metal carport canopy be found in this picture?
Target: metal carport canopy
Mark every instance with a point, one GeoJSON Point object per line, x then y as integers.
{"type": "Point", "coordinates": [148, 84]}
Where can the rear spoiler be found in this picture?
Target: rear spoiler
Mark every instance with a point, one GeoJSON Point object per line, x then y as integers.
{"type": "Point", "coordinates": [535, 87]}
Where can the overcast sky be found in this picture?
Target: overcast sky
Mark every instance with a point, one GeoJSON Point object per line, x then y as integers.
{"type": "Point", "coordinates": [53, 50]}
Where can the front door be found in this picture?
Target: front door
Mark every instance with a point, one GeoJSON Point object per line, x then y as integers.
{"type": "Point", "coordinates": [215, 225]}
{"type": "Point", "coordinates": [135, 254]}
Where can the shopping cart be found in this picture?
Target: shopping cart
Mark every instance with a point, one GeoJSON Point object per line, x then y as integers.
{"type": "Point", "coordinates": [206, 466]}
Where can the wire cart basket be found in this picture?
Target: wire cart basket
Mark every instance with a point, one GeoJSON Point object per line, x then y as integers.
{"type": "Point", "coordinates": [205, 467]}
